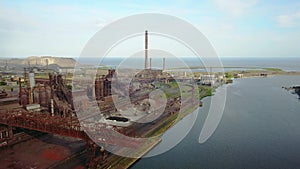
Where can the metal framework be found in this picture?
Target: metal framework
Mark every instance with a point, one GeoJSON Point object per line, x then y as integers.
{"type": "Point", "coordinates": [69, 127]}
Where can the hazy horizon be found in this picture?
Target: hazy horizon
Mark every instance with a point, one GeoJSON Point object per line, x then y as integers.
{"type": "Point", "coordinates": [235, 28]}
{"type": "Point", "coordinates": [75, 57]}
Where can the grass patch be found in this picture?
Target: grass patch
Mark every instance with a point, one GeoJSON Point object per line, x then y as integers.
{"type": "Point", "coordinates": [205, 91]}
{"type": "Point", "coordinates": [273, 69]}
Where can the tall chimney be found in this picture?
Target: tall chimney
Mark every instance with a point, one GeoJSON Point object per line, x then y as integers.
{"type": "Point", "coordinates": [146, 49]}
{"type": "Point", "coordinates": [150, 63]}
{"type": "Point", "coordinates": [47, 63]}
{"type": "Point", "coordinates": [164, 64]}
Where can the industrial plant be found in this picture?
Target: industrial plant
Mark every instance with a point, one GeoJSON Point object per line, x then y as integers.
{"type": "Point", "coordinates": [43, 103]}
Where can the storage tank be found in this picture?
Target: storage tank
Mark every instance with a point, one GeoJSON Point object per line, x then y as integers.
{"type": "Point", "coordinates": [43, 97]}
{"type": "Point", "coordinates": [48, 93]}
{"type": "Point", "coordinates": [23, 97]}
{"type": "Point", "coordinates": [36, 98]}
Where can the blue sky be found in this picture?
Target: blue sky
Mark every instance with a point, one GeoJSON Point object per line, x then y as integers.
{"type": "Point", "coordinates": [240, 28]}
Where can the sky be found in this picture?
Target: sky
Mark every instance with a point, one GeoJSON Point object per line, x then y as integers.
{"type": "Point", "coordinates": [237, 28]}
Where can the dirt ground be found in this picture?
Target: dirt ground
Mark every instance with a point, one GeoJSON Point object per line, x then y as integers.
{"type": "Point", "coordinates": [39, 153]}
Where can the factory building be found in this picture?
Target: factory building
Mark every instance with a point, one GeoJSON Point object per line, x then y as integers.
{"type": "Point", "coordinates": [103, 85]}
{"type": "Point", "coordinates": [208, 80]}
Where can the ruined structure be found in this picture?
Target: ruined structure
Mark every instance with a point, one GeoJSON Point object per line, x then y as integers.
{"type": "Point", "coordinates": [103, 85]}
{"type": "Point", "coordinates": [54, 96]}
{"type": "Point", "coordinates": [51, 94]}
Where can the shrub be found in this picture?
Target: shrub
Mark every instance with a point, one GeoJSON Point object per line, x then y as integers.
{"type": "Point", "coordinates": [2, 83]}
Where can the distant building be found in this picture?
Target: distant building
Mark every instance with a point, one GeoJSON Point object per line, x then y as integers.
{"type": "Point", "coordinates": [6, 66]}
{"type": "Point", "coordinates": [209, 80]}
{"type": "Point", "coordinates": [238, 75]}
{"type": "Point", "coordinates": [66, 70]}
{"type": "Point", "coordinates": [263, 74]}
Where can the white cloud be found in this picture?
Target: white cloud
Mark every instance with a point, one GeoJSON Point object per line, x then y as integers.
{"type": "Point", "coordinates": [290, 20]}
{"type": "Point", "coordinates": [235, 7]}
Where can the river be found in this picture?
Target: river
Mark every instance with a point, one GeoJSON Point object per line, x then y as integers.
{"type": "Point", "coordinates": [260, 128]}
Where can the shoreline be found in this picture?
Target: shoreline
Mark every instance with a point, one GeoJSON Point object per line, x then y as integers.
{"type": "Point", "coordinates": [281, 73]}
{"type": "Point", "coordinates": [171, 121]}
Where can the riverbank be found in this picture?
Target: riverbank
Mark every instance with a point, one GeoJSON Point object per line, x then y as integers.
{"type": "Point", "coordinates": [252, 72]}
{"type": "Point", "coordinates": [116, 162]}
{"type": "Point", "coordinates": [248, 74]}
{"type": "Point", "coordinates": [247, 137]}
{"type": "Point", "coordinates": [123, 162]}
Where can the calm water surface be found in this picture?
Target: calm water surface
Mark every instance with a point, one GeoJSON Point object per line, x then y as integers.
{"type": "Point", "coordinates": [260, 128]}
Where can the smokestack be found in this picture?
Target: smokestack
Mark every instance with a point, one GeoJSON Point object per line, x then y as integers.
{"type": "Point", "coordinates": [47, 63]}
{"type": "Point", "coordinates": [164, 64]}
{"type": "Point", "coordinates": [150, 63]}
{"type": "Point", "coordinates": [146, 49]}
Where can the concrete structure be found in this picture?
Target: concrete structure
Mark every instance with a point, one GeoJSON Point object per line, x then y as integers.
{"type": "Point", "coordinates": [6, 66]}
{"type": "Point", "coordinates": [238, 75]}
{"type": "Point", "coordinates": [116, 121]}
{"type": "Point", "coordinates": [208, 80]}
{"type": "Point", "coordinates": [31, 79]}
{"type": "Point", "coordinates": [146, 49]}
{"type": "Point", "coordinates": [33, 107]}
{"type": "Point", "coordinates": [164, 64]}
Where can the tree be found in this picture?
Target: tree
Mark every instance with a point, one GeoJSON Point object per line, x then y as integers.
{"type": "Point", "coordinates": [228, 75]}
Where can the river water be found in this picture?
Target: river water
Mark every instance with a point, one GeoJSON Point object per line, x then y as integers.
{"type": "Point", "coordinates": [260, 128]}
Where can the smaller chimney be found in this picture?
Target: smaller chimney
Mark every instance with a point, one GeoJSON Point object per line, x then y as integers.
{"type": "Point", "coordinates": [146, 49]}
{"type": "Point", "coordinates": [150, 63]}
{"type": "Point", "coordinates": [47, 63]}
{"type": "Point", "coordinates": [164, 64]}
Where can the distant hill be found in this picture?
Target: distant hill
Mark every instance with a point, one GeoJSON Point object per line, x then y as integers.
{"type": "Point", "coordinates": [41, 61]}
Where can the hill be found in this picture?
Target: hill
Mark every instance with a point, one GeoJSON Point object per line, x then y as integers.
{"type": "Point", "coordinates": [41, 61]}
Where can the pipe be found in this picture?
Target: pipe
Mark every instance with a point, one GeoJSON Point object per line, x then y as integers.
{"type": "Point", "coordinates": [164, 64]}
{"type": "Point", "coordinates": [146, 49]}
{"type": "Point", "coordinates": [52, 108]}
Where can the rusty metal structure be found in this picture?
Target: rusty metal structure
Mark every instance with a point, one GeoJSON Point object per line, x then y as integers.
{"type": "Point", "coordinates": [103, 85]}
{"type": "Point", "coordinates": [3, 94]}
{"type": "Point", "coordinates": [62, 97]}
{"type": "Point", "coordinates": [56, 114]}
{"type": "Point", "coordinates": [69, 127]}
{"type": "Point", "coordinates": [48, 92]}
